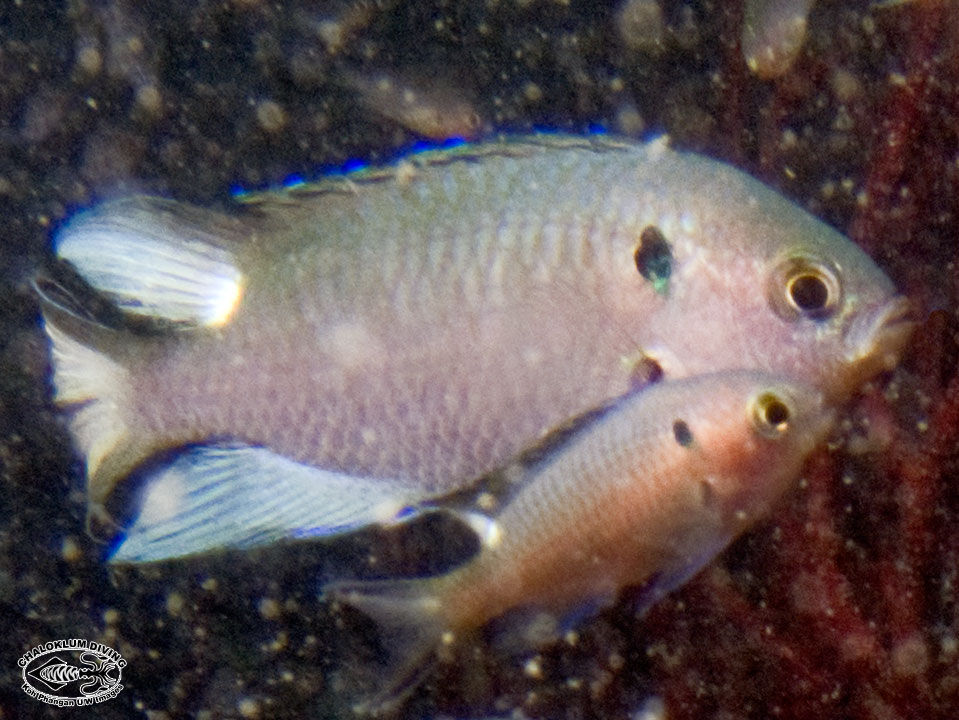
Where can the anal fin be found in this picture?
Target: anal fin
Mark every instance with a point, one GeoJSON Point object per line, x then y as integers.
{"type": "Point", "coordinates": [217, 497]}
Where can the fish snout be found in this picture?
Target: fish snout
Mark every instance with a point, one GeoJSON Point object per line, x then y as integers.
{"type": "Point", "coordinates": [875, 340]}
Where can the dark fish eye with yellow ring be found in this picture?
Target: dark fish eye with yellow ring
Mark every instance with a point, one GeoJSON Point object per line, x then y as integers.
{"type": "Point", "coordinates": [771, 414]}
{"type": "Point", "coordinates": [805, 287]}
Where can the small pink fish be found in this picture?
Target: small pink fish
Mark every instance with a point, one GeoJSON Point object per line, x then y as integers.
{"type": "Point", "coordinates": [645, 492]}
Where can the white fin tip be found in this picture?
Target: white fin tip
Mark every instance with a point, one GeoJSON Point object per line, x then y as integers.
{"type": "Point", "coordinates": [153, 264]}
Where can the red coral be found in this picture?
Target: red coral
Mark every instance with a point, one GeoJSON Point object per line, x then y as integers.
{"type": "Point", "coordinates": [848, 606]}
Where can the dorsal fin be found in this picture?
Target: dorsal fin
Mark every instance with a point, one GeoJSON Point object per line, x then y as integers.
{"type": "Point", "coordinates": [421, 157]}
{"type": "Point", "coordinates": [495, 488]}
{"type": "Point", "coordinates": [157, 259]}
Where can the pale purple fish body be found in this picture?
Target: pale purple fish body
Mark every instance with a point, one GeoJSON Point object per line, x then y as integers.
{"type": "Point", "coordinates": [417, 325]}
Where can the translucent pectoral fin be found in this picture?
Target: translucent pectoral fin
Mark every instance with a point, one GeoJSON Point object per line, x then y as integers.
{"type": "Point", "coordinates": [677, 573]}
{"type": "Point", "coordinates": [218, 497]}
{"type": "Point", "coordinates": [411, 628]}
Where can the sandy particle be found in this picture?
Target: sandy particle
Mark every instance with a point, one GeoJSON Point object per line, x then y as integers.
{"type": "Point", "coordinates": [271, 116]}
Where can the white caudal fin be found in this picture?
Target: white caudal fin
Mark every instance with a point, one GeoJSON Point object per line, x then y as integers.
{"type": "Point", "coordinates": [216, 497]}
{"type": "Point", "coordinates": [155, 258]}
{"type": "Point", "coordinates": [96, 383]}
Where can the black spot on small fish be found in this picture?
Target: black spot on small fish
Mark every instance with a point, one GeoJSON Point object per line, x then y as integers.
{"type": "Point", "coordinates": [682, 433]}
{"type": "Point", "coordinates": [654, 259]}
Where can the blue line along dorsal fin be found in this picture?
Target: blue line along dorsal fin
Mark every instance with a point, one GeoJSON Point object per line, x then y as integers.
{"type": "Point", "coordinates": [157, 259]}
{"type": "Point", "coordinates": [220, 497]}
{"type": "Point", "coordinates": [352, 176]}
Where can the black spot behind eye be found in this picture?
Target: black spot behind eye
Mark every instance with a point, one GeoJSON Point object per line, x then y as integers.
{"type": "Point", "coordinates": [682, 433]}
{"type": "Point", "coordinates": [654, 259]}
{"type": "Point", "coordinates": [646, 372]}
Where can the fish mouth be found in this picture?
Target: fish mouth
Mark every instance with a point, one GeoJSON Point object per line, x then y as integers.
{"type": "Point", "coordinates": [875, 340]}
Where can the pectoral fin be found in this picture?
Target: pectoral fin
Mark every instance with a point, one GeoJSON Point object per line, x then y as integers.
{"type": "Point", "coordinates": [217, 497]}
{"type": "Point", "coordinates": [411, 623]}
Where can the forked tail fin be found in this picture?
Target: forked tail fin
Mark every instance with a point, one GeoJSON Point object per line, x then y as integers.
{"type": "Point", "coordinates": [95, 386]}
{"type": "Point", "coordinates": [95, 383]}
{"type": "Point", "coordinates": [148, 262]}
{"type": "Point", "coordinates": [411, 622]}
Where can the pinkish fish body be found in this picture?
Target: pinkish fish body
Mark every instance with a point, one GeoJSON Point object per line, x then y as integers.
{"type": "Point", "coordinates": [385, 336]}
{"type": "Point", "coordinates": [644, 493]}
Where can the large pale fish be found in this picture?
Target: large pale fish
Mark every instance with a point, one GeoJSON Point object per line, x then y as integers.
{"type": "Point", "coordinates": [645, 492]}
{"type": "Point", "coordinates": [419, 324]}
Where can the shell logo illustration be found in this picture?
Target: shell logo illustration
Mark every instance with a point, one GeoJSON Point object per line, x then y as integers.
{"type": "Point", "coordinates": [72, 672]}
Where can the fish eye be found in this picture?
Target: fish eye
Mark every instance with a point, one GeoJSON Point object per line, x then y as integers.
{"type": "Point", "coordinates": [653, 258]}
{"type": "Point", "coordinates": [805, 287]}
{"type": "Point", "coordinates": [771, 414]}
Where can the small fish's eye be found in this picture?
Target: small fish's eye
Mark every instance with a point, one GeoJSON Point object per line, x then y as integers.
{"type": "Point", "coordinates": [654, 259]}
{"type": "Point", "coordinates": [771, 414]}
{"type": "Point", "coordinates": [804, 287]}
{"type": "Point", "coordinates": [682, 433]}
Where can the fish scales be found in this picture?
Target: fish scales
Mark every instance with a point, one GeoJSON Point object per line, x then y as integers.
{"type": "Point", "coordinates": [364, 279]}
{"type": "Point", "coordinates": [623, 500]}
{"type": "Point", "coordinates": [422, 323]}
{"type": "Point", "coordinates": [388, 258]}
